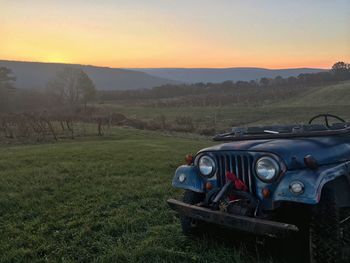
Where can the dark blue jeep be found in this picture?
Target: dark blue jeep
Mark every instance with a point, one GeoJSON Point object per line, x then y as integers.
{"type": "Point", "coordinates": [290, 182]}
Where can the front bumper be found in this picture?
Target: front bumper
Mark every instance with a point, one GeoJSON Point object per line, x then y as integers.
{"type": "Point", "coordinates": [242, 223]}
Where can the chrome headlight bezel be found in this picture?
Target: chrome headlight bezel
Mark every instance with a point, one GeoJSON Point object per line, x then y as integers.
{"type": "Point", "coordinates": [269, 161]}
{"type": "Point", "coordinates": [208, 159]}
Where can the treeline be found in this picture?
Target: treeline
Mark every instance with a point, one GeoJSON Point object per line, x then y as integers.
{"type": "Point", "coordinates": [234, 92]}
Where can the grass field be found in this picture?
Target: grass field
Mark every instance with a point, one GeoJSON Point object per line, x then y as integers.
{"type": "Point", "coordinates": [104, 199]}
{"type": "Point", "coordinates": [297, 109]}
{"type": "Point", "coordinates": [98, 200]}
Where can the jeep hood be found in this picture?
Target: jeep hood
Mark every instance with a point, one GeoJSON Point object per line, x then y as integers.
{"type": "Point", "coordinates": [326, 150]}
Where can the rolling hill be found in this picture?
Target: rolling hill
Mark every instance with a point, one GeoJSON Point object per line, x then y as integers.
{"type": "Point", "coordinates": [192, 75]}
{"type": "Point", "coordinates": [335, 94]}
{"type": "Point", "coordinates": [35, 75]}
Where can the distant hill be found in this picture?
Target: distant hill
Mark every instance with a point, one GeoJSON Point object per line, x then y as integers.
{"type": "Point", "coordinates": [35, 75]}
{"type": "Point", "coordinates": [192, 75]}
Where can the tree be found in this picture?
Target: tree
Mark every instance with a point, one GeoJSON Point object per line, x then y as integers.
{"type": "Point", "coordinates": [264, 82]}
{"type": "Point", "coordinates": [88, 89]}
{"type": "Point", "coordinates": [340, 66]}
{"type": "Point", "coordinates": [7, 80]}
{"type": "Point", "coordinates": [71, 87]}
{"type": "Point", "coordinates": [278, 81]}
{"type": "Point", "coordinates": [341, 70]}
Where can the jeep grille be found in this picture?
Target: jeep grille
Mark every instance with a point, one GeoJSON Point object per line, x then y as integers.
{"type": "Point", "coordinates": [238, 163]}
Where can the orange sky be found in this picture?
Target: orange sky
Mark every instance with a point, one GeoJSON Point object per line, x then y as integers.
{"type": "Point", "coordinates": [181, 33]}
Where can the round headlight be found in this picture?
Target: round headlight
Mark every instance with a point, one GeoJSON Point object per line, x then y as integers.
{"type": "Point", "coordinates": [206, 165]}
{"type": "Point", "coordinates": [267, 168]}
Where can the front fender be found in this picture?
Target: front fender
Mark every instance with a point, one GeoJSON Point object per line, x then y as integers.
{"type": "Point", "coordinates": [193, 181]}
{"type": "Point", "coordinates": [313, 180]}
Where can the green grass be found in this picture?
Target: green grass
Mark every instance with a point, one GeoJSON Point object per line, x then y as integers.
{"type": "Point", "coordinates": [98, 200]}
{"type": "Point", "coordinates": [337, 94]}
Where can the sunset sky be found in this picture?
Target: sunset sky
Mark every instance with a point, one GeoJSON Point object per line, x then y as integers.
{"type": "Point", "coordinates": [177, 33]}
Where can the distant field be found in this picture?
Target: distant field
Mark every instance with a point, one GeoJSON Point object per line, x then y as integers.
{"type": "Point", "coordinates": [98, 200]}
{"type": "Point", "coordinates": [338, 94]}
{"type": "Point", "coordinates": [333, 99]}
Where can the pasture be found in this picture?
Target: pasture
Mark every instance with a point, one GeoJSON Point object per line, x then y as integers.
{"type": "Point", "coordinates": [98, 200]}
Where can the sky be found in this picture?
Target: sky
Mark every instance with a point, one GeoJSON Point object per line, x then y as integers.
{"type": "Point", "coordinates": [177, 33]}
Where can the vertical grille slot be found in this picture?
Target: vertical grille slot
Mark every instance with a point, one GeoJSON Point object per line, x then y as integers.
{"type": "Point", "coordinates": [238, 163]}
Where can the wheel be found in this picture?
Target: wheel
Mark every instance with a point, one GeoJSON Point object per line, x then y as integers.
{"type": "Point", "coordinates": [329, 231]}
{"type": "Point", "coordinates": [294, 247]}
{"type": "Point", "coordinates": [189, 225]}
{"type": "Point", "coordinates": [345, 232]}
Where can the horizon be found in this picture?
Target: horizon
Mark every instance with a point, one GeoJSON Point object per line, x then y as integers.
{"type": "Point", "coordinates": [186, 34]}
{"type": "Point", "coordinates": [135, 68]}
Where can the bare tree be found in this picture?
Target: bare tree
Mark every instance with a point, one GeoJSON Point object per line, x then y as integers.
{"type": "Point", "coordinates": [7, 80]}
{"type": "Point", "coordinates": [88, 89]}
{"type": "Point", "coordinates": [72, 87]}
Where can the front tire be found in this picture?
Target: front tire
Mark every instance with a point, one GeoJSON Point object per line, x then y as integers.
{"type": "Point", "coordinates": [189, 225]}
{"type": "Point", "coordinates": [329, 231]}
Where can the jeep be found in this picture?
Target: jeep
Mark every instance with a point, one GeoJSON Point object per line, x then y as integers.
{"type": "Point", "coordinates": [281, 182]}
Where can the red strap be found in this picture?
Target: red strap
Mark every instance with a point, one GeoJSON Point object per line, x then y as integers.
{"type": "Point", "coordinates": [239, 184]}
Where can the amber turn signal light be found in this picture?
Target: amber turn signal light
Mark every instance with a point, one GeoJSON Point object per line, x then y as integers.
{"type": "Point", "coordinates": [266, 193]}
{"type": "Point", "coordinates": [208, 186]}
{"type": "Point", "coordinates": [310, 162]}
{"type": "Point", "coordinates": [189, 159]}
